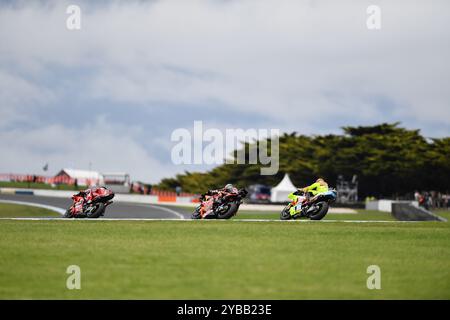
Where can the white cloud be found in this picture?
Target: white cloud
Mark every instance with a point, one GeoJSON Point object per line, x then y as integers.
{"type": "Point", "coordinates": [17, 95]}
{"type": "Point", "coordinates": [308, 66]}
{"type": "Point", "coordinates": [261, 55]}
{"type": "Point", "coordinates": [106, 147]}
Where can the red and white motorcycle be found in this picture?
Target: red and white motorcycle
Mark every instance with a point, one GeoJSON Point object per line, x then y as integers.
{"type": "Point", "coordinates": [90, 203]}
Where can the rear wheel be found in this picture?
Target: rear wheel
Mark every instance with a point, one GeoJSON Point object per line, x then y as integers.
{"type": "Point", "coordinates": [228, 211]}
{"type": "Point", "coordinates": [321, 211]}
{"type": "Point", "coordinates": [96, 210]}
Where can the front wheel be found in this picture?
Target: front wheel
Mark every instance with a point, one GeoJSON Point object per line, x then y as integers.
{"type": "Point", "coordinates": [321, 211]}
{"type": "Point", "coordinates": [68, 213]}
{"type": "Point", "coordinates": [196, 215]}
{"type": "Point", "coordinates": [285, 214]}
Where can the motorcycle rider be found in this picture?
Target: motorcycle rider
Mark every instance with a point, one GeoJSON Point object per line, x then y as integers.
{"type": "Point", "coordinates": [223, 194]}
{"type": "Point", "coordinates": [319, 186]}
{"type": "Point", "coordinates": [229, 188]}
{"type": "Point", "coordinates": [86, 194]}
{"type": "Point", "coordinates": [316, 188]}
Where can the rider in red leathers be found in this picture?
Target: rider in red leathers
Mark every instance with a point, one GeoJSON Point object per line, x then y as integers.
{"type": "Point", "coordinates": [223, 193]}
{"type": "Point", "coordinates": [87, 194]}
{"type": "Point", "coordinates": [228, 189]}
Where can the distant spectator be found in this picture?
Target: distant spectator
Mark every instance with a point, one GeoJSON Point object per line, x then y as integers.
{"type": "Point", "coordinates": [416, 195]}
{"type": "Point", "coordinates": [429, 201]}
{"type": "Point", "coordinates": [447, 201]}
{"type": "Point", "coordinates": [424, 200]}
{"type": "Point", "coordinates": [421, 200]}
{"type": "Point", "coordinates": [441, 200]}
{"type": "Point", "coordinates": [178, 190]}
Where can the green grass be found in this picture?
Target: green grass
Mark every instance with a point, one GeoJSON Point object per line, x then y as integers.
{"type": "Point", "coordinates": [445, 213]}
{"type": "Point", "coordinates": [19, 211]}
{"type": "Point", "coordinates": [223, 259]}
{"type": "Point", "coordinates": [360, 215]}
{"type": "Point", "coordinates": [31, 185]}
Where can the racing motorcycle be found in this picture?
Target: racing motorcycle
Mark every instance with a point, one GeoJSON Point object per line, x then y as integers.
{"type": "Point", "coordinates": [219, 206]}
{"type": "Point", "coordinates": [92, 205]}
{"type": "Point", "coordinates": [315, 208]}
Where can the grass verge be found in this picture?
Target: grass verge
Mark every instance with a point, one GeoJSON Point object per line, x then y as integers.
{"type": "Point", "coordinates": [20, 211]}
{"type": "Point", "coordinates": [223, 260]}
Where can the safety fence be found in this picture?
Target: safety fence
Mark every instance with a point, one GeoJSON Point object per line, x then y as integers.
{"type": "Point", "coordinates": [37, 179]}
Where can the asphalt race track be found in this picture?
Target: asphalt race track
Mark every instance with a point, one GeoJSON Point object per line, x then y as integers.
{"type": "Point", "coordinates": [115, 210]}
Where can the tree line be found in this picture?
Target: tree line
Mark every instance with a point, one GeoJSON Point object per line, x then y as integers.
{"type": "Point", "coordinates": [389, 160]}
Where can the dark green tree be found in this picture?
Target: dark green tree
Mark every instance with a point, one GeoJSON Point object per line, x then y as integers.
{"type": "Point", "coordinates": [388, 159]}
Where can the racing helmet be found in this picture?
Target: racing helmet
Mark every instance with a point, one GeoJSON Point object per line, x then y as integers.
{"type": "Point", "coordinates": [229, 187]}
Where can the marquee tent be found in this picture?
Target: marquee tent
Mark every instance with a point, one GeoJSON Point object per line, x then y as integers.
{"type": "Point", "coordinates": [280, 192]}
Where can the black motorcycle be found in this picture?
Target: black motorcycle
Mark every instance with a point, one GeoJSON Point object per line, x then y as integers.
{"type": "Point", "coordinates": [219, 206]}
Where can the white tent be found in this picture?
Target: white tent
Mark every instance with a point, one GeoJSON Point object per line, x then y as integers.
{"type": "Point", "coordinates": [281, 191]}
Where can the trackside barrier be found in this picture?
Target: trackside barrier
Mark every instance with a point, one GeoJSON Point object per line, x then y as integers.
{"type": "Point", "coordinates": [135, 198]}
{"type": "Point", "coordinates": [28, 192]}
{"type": "Point", "coordinates": [186, 200]}
{"type": "Point", "coordinates": [16, 191]}
{"type": "Point", "coordinates": [386, 205]}
{"type": "Point", "coordinates": [7, 191]}
{"type": "Point", "coordinates": [408, 212]}
{"type": "Point", "coordinates": [167, 198]}
{"type": "Point", "coordinates": [53, 193]}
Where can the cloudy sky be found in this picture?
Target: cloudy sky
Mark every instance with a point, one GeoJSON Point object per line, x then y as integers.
{"type": "Point", "coordinates": [110, 94]}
